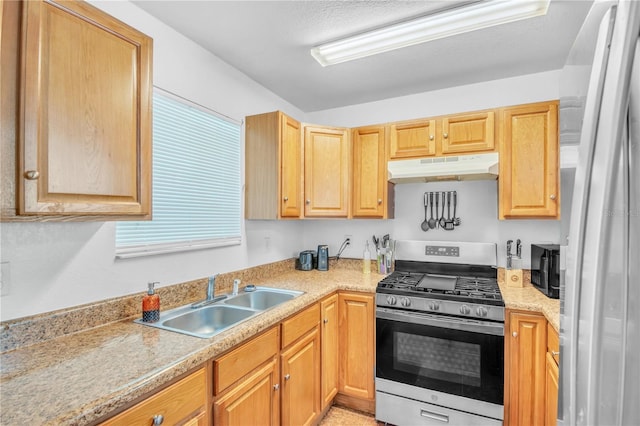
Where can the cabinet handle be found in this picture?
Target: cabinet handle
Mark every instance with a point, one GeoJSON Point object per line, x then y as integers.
{"type": "Point", "coordinates": [445, 135]}
{"type": "Point", "coordinates": [379, 201]}
{"type": "Point", "coordinates": [286, 199]}
{"type": "Point", "coordinates": [287, 377]}
{"type": "Point", "coordinates": [308, 201]}
{"type": "Point", "coordinates": [32, 174]}
{"type": "Point", "coordinates": [431, 137]}
{"type": "Point", "coordinates": [276, 386]}
{"type": "Point", "coordinates": [514, 334]}
{"type": "Point", "coordinates": [555, 353]}
{"type": "Point", "coordinates": [552, 196]}
{"type": "Point", "coordinates": [326, 321]}
{"type": "Point", "coordinates": [158, 419]}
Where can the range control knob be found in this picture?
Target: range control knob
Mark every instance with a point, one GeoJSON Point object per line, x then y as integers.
{"type": "Point", "coordinates": [464, 310]}
{"type": "Point", "coordinates": [434, 306]}
{"type": "Point", "coordinates": [481, 312]}
{"type": "Point", "coordinates": [405, 302]}
{"type": "Point", "coordinates": [391, 300]}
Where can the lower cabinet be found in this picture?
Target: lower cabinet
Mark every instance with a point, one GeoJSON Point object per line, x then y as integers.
{"type": "Point", "coordinates": [357, 350]}
{"type": "Point", "coordinates": [551, 377]}
{"type": "Point", "coordinates": [184, 402]}
{"type": "Point", "coordinates": [329, 349]}
{"type": "Point", "coordinates": [253, 401]}
{"type": "Point", "coordinates": [526, 370]}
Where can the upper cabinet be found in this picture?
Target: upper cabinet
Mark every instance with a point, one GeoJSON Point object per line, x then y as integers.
{"type": "Point", "coordinates": [410, 139]}
{"type": "Point", "coordinates": [273, 167]}
{"type": "Point", "coordinates": [529, 167]}
{"type": "Point", "coordinates": [82, 112]}
{"type": "Point", "coordinates": [371, 195]}
{"type": "Point", "coordinates": [326, 171]}
{"type": "Point", "coordinates": [454, 134]}
{"type": "Point", "coordinates": [466, 133]}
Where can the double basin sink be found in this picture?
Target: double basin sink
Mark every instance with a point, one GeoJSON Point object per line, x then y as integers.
{"type": "Point", "coordinates": [210, 319]}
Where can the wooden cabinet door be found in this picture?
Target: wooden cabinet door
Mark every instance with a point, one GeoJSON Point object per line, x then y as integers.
{"type": "Point", "coordinates": [551, 391]}
{"type": "Point", "coordinates": [369, 172]}
{"type": "Point", "coordinates": [525, 350]}
{"type": "Point", "coordinates": [412, 139]}
{"type": "Point", "coordinates": [253, 401]}
{"type": "Point", "coordinates": [357, 345]}
{"type": "Point", "coordinates": [300, 375]}
{"type": "Point", "coordinates": [329, 349]}
{"type": "Point", "coordinates": [85, 141]}
{"type": "Point", "coordinates": [529, 167]}
{"type": "Point", "coordinates": [468, 133]}
{"type": "Point", "coordinates": [326, 172]}
{"type": "Point", "coordinates": [290, 168]}
{"type": "Point", "coordinates": [176, 403]}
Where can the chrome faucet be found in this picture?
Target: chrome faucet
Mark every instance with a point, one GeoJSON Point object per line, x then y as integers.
{"type": "Point", "coordinates": [211, 288]}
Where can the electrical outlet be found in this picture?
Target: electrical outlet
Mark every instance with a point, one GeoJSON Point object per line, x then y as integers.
{"type": "Point", "coordinates": [5, 278]}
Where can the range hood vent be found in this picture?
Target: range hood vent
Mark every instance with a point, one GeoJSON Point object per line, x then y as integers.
{"type": "Point", "coordinates": [436, 169]}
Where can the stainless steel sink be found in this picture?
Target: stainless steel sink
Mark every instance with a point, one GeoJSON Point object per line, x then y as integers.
{"type": "Point", "coordinates": [208, 320]}
{"type": "Point", "coordinates": [262, 298]}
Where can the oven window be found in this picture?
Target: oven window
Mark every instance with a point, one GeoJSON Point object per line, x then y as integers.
{"type": "Point", "coordinates": [451, 361]}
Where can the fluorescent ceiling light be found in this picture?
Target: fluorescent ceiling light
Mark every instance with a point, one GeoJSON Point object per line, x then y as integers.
{"type": "Point", "coordinates": [431, 27]}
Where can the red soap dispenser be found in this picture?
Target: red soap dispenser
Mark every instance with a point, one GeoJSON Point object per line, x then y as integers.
{"type": "Point", "coordinates": [151, 305]}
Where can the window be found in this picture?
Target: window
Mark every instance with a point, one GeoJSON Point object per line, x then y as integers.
{"type": "Point", "coordinates": [196, 182]}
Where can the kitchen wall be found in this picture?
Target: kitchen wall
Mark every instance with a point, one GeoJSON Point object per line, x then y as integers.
{"type": "Point", "coordinates": [49, 266]}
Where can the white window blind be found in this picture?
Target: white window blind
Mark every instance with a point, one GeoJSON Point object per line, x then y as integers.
{"type": "Point", "coordinates": [196, 182]}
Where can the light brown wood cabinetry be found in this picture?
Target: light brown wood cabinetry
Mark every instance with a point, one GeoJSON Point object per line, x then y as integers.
{"type": "Point", "coordinates": [184, 402]}
{"type": "Point", "coordinates": [455, 134]}
{"type": "Point", "coordinates": [252, 401]}
{"type": "Point", "coordinates": [246, 382]}
{"type": "Point", "coordinates": [412, 139]}
{"type": "Point", "coordinates": [465, 133]}
{"type": "Point", "coordinates": [525, 366]}
{"type": "Point", "coordinates": [300, 370]}
{"type": "Point", "coordinates": [357, 348]}
{"type": "Point", "coordinates": [329, 349]}
{"type": "Point", "coordinates": [273, 167]}
{"type": "Point", "coordinates": [371, 195]}
{"type": "Point", "coordinates": [551, 377]}
{"type": "Point", "coordinates": [80, 118]}
{"type": "Point", "coordinates": [529, 168]}
{"type": "Point", "coordinates": [326, 171]}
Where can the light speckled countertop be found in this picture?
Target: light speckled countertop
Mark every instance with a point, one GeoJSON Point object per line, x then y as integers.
{"type": "Point", "coordinates": [79, 378]}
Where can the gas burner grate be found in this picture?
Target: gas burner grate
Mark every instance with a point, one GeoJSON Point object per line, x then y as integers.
{"type": "Point", "coordinates": [401, 280]}
{"type": "Point", "coordinates": [485, 288]}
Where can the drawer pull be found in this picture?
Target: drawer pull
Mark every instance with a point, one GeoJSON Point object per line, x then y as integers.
{"type": "Point", "coordinates": [514, 334]}
{"type": "Point", "coordinates": [287, 377]}
{"type": "Point", "coordinates": [434, 416]}
{"type": "Point", "coordinates": [276, 386]}
{"type": "Point", "coordinates": [555, 353]}
{"type": "Point", "coordinates": [158, 419]}
{"type": "Point", "coordinates": [326, 321]}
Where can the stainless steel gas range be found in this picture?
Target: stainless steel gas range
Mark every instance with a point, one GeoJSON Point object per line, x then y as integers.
{"type": "Point", "coordinates": [440, 336]}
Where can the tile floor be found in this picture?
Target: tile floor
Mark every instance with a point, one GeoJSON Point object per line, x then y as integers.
{"type": "Point", "coordinates": [338, 416]}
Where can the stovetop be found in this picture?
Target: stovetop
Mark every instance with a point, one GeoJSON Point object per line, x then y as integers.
{"type": "Point", "coordinates": [479, 290]}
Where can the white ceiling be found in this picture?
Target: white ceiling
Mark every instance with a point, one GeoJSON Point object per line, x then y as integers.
{"type": "Point", "coordinates": [270, 40]}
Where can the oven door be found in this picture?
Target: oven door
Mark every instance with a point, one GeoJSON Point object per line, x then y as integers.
{"type": "Point", "coordinates": [453, 355]}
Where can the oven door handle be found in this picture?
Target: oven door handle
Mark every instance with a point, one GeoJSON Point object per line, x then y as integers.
{"type": "Point", "coordinates": [483, 327]}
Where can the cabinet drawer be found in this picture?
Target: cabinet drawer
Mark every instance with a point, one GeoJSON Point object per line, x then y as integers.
{"type": "Point", "coordinates": [553, 343]}
{"type": "Point", "coordinates": [175, 403]}
{"type": "Point", "coordinates": [239, 362]}
{"type": "Point", "coordinates": [296, 326]}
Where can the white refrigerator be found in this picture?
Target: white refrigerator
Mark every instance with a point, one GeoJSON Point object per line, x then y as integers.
{"type": "Point", "coordinates": [600, 297]}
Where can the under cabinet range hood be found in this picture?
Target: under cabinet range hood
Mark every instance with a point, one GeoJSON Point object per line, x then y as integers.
{"type": "Point", "coordinates": [435, 169]}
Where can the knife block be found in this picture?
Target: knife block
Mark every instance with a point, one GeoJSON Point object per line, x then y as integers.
{"type": "Point", "coordinates": [513, 277]}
